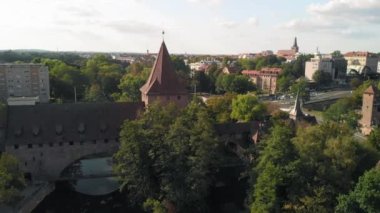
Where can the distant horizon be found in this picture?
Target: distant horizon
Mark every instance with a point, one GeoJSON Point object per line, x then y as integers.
{"type": "Point", "coordinates": [144, 53]}
{"type": "Point", "coordinates": [207, 27]}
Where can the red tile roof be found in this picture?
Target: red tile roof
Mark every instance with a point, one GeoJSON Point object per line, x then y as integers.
{"type": "Point", "coordinates": [163, 79]}
{"type": "Point", "coordinates": [359, 54]}
{"type": "Point", "coordinates": [263, 71]}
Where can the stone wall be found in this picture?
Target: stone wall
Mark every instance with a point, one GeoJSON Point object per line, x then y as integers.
{"type": "Point", "coordinates": [45, 162]}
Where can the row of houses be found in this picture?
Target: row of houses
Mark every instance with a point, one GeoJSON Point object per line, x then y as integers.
{"type": "Point", "coordinates": [350, 63]}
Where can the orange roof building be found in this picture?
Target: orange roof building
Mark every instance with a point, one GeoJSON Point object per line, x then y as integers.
{"type": "Point", "coordinates": [265, 79]}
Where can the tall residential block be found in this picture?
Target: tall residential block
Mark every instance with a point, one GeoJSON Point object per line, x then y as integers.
{"type": "Point", "coordinates": [24, 80]}
{"type": "Point", "coordinates": [336, 67]}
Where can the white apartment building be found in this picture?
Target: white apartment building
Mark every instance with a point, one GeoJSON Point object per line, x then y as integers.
{"type": "Point", "coordinates": [24, 80]}
{"type": "Point", "coordinates": [319, 62]}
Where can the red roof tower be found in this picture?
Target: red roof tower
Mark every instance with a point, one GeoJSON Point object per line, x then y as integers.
{"type": "Point", "coordinates": [163, 84]}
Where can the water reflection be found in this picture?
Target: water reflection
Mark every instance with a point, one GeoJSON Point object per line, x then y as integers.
{"type": "Point", "coordinates": [93, 176]}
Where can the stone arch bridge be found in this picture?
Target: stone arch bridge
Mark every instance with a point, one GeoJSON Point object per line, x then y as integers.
{"type": "Point", "coordinates": [48, 138]}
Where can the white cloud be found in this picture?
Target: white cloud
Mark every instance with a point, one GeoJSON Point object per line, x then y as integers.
{"type": "Point", "coordinates": [344, 17]}
{"type": "Point", "coordinates": [210, 2]}
{"type": "Point", "coordinates": [227, 24]}
{"type": "Point", "coordinates": [253, 21]}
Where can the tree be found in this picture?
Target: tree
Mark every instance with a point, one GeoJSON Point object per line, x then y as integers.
{"type": "Point", "coordinates": [336, 54]}
{"type": "Point", "coordinates": [374, 138]}
{"type": "Point", "coordinates": [330, 160]}
{"type": "Point", "coordinates": [131, 83]}
{"type": "Point", "coordinates": [343, 111]}
{"type": "Point", "coordinates": [95, 94]}
{"type": "Point", "coordinates": [191, 159]}
{"type": "Point", "coordinates": [64, 78]}
{"type": "Point", "coordinates": [168, 158]}
{"type": "Point", "coordinates": [299, 87]}
{"type": "Point", "coordinates": [213, 72]}
{"type": "Point", "coordinates": [233, 83]}
{"type": "Point", "coordinates": [276, 169]}
{"type": "Point", "coordinates": [202, 82]}
{"type": "Point", "coordinates": [102, 71]}
{"type": "Point", "coordinates": [220, 107]}
{"type": "Point", "coordinates": [322, 78]}
{"type": "Point", "coordinates": [247, 108]}
{"type": "Point", "coordinates": [365, 197]}
{"type": "Point", "coordinates": [247, 64]}
{"type": "Point", "coordinates": [11, 179]}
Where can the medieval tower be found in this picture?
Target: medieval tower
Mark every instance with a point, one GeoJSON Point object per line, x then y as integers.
{"type": "Point", "coordinates": [163, 84]}
{"type": "Point", "coordinates": [369, 110]}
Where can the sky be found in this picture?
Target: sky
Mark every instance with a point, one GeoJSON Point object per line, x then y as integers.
{"type": "Point", "coordinates": [191, 26]}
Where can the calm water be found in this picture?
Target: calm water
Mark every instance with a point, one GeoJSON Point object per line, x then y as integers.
{"type": "Point", "coordinates": [102, 195]}
{"type": "Point", "coordinates": [96, 186]}
{"type": "Point", "coordinates": [95, 195]}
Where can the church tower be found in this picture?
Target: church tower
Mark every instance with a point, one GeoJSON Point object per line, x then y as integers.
{"type": "Point", "coordinates": [163, 84]}
{"type": "Point", "coordinates": [296, 113]}
{"type": "Point", "coordinates": [369, 110]}
{"type": "Point", "coordinates": [295, 47]}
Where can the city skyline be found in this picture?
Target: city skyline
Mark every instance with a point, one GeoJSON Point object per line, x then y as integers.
{"type": "Point", "coordinates": [191, 26]}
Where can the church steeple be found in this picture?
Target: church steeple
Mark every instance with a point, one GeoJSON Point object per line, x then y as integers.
{"type": "Point", "coordinates": [296, 113]}
{"type": "Point", "coordinates": [163, 83]}
{"type": "Point", "coordinates": [295, 47]}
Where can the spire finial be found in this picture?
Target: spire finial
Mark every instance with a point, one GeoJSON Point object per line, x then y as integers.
{"type": "Point", "coordinates": [163, 35]}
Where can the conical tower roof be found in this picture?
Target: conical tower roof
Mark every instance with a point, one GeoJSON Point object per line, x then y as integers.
{"type": "Point", "coordinates": [370, 90]}
{"type": "Point", "coordinates": [296, 112]}
{"type": "Point", "coordinates": [163, 79]}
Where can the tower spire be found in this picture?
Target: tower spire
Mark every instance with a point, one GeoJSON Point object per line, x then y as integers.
{"type": "Point", "coordinates": [296, 113]}
{"type": "Point", "coordinates": [295, 47]}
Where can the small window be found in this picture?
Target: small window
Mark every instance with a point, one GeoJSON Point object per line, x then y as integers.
{"type": "Point", "coordinates": [41, 154]}
{"type": "Point", "coordinates": [60, 144]}
{"type": "Point", "coordinates": [71, 143]}
{"type": "Point", "coordinates": [40, 145]}
{"type": "Point", "coordinates": [117, 139]}
{"type": "Point", "coordinates": [81, 142]}
{"type": "Point", "coordinates": [105, 140]}
{"type": "Point", "coordinates": [51, 144]}
{"type": "Point", "coordinates": [30, 146]}
{"type": "Point", "coordinates": [179, 97]}
{"type": "Point", "coordinates": [26, 163]}
{"type": "Point", "coordinates": [34, 159]}
{"type": "Point", "coordinates": [94, 141]}
{"type": "Point", "coordinates": [16, 146]}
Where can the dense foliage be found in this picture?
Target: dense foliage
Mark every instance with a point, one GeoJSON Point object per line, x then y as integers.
{"type": "Point", "coordinates": [168, 159]}
{"type": "Point", "coordinates": [247, 108]}
{"type": "Point", "coordinates": [11, 179]}
{"type": "Point", "coordinates": [365, 197]}
{"type": "Point", "coordinates": [306, 172]}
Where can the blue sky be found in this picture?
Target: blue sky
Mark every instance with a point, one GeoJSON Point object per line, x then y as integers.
{"type": "Point", "coordinates": [191, 26]}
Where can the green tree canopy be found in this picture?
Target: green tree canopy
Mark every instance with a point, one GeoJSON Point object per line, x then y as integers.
{"type": "Point", "coordinates": [365, 197]}
{"type": "Point", "coordinates": [247, 108]}
{"type": "Point", "coordinates": [220, 107]}
{"type": "Point", "coordinates": [168, 157]}
{"type": "Point", "coordinates": [11, 179]}
{"type": "Point", "coordinates": [322, 78]}
{"type": "Point", "coordinates": [276, 169]}
{"type": "Point", "coordinates": [233, 83]}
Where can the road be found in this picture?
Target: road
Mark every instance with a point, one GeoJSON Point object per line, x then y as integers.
{"type": "Point", "coordinates": [321, 96]}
